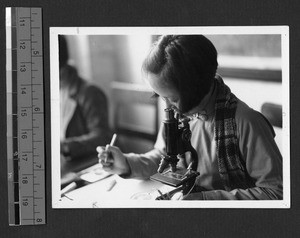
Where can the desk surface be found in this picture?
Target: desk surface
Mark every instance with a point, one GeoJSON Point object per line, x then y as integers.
{"type": "Point", "coordinates": [125, 193]}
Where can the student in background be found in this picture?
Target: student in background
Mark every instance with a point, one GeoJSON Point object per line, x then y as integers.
{"type": "Point", "coordinates": [83, 111]}
{"type": "Point", "coordinates": [238, 158]}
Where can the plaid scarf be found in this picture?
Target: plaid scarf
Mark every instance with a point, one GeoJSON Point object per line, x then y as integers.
{"type": "Point", "coordinates": [232, 168]}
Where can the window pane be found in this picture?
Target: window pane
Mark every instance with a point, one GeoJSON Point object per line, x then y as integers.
{"type": "Point", "coordinates": [247, 45]}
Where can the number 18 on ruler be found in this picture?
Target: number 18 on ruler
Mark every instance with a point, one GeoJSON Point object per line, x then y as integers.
{"type": "Point", "coordinates": [25, 116]}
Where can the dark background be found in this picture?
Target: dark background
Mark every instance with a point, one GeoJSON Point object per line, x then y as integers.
{"type": "Point", "coordinates": [158, 222]}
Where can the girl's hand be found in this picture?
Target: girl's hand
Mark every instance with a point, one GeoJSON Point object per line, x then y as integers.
{"type": "Point", "coordinates": [113, 160]}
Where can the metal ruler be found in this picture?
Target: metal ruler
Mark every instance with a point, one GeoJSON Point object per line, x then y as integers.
{"type": "Point", "coordinates": [25, 116]}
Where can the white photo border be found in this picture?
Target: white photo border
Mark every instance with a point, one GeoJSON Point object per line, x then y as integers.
{"type": "Point", "coordinates": [240, 30]}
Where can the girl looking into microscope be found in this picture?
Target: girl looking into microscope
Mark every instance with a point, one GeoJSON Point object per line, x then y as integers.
{"type": "Point", "coordinates": [238, 158]}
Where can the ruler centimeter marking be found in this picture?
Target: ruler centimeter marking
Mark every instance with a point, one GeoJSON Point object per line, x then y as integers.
{"type": "Point", "coordinates": [25, 116]}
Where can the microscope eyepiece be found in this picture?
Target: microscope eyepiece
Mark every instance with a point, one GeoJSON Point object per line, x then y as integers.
{"type": "Point", "coordinates": [169, 114]}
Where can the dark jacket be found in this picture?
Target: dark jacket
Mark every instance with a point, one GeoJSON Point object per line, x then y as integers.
{"type": "Point", "coordinates": [87, 120]}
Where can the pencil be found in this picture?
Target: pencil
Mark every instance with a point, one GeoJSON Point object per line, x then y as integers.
{"type": "Point", "coordinates": [112, 142]}
{"type": "Point", "coordinates": [111, 184]}
{"type": "Point", "coordinates": [68, 188]}
{"type": "Point", "coordinates": [113, 139]}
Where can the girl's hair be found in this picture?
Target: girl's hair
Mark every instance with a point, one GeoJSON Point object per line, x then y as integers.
{"type": "Point", "coordinates": [188, 62]}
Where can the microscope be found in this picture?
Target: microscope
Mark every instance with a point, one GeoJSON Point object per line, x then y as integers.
{"type": "Point", "coordinates": [177, 135]}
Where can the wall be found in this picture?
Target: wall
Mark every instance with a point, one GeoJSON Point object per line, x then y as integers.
{"type": "Point", "coordinates": [255, 94]}
{"type": "Point", "coordinates": [115, 58]}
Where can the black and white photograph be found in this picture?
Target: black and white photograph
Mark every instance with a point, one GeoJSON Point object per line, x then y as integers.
{"type": "Point", "coordinates": [170, 117]}
{"type": "Point", "coordinates": [149, 119]}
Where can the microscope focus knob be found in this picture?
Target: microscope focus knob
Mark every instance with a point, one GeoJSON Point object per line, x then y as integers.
{"type": "Point", "coordinates": [186, 135]}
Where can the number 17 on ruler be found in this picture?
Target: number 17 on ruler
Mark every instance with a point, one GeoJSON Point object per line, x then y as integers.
{"type": "Point", "coordinates": [25, 116]}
